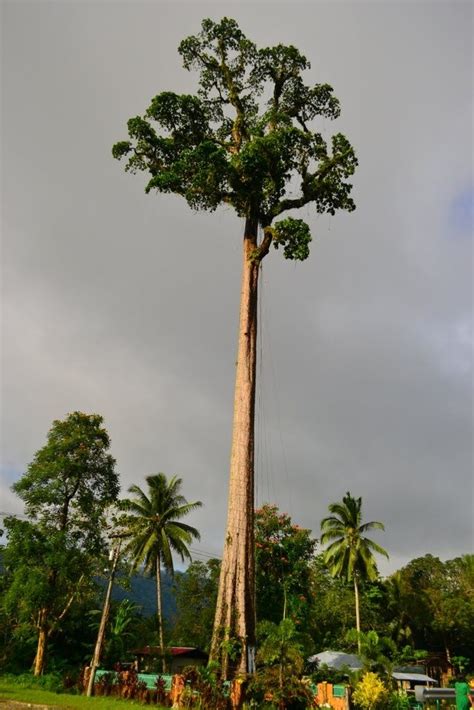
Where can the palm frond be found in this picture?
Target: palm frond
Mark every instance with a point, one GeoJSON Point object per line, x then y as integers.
{"type": "Point", "coordinates": [373, 525]}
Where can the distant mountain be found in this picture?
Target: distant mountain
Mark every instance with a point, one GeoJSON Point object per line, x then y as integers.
{"type": "Point", "coordinates": [142, 591]}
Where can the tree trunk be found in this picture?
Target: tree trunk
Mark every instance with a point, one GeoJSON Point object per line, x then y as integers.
{"type": "Point", "coordinates": [40, 657]}
{"type": "Point", "coordinates": [234, 625]}
{"type": "Point", "coordinates": [356, 592]}
{"type": "Point", "coordinates": [159, 610]}
{"type": "Point", "coordinates": [103, 622]}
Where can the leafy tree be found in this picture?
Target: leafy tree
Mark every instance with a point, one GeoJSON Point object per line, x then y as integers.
{"type": "Point", "coordinates": [231, 145]}
{"type": "Point", "coordinates": [122, 630]}
{"type": "Point", "coordinates": [400, 622]}
{"type": "Point", "coordinates": [332, 607]}
{"type": "Point", "coordinates": [280, 664]}
{"type": "Point", "coordinates": [350, 554]}
{"type": "Point", "coordinates": [153, 524]}
{"type": "Point", "coordinates": [66, 490]}
{"type": "Point", "coordinates": [196, 594]}
{"type": "Point", "coordinates": [436, 601]}
{"type": "Point", "coordinates": [72, 479]}
{"type": "Point", "coordinates": [377, 652]}
{"type": "Point", "coordinates": [284, 552]}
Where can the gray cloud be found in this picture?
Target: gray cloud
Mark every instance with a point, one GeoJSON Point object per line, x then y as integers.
{"type": "Point", "coordinates": [126, 304]}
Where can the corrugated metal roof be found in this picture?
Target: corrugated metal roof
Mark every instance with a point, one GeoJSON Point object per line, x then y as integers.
{"type": "Point", "coordinates": [337, 660]}
{"type": "Point", "coordinates": [415, 677]}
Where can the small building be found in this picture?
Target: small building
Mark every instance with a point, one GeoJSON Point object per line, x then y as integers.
{"type": "Point", "coordinates": [438, 666]}
{"type": "Point", "coordinates": [406, 677]}
{"type": "Point", "coordinates": [148, 658]}
{"type": "Point", "coordinates": [407, 680]}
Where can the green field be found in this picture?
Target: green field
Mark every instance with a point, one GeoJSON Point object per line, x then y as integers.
{"type": "Point", "coordinates": [9, 691]}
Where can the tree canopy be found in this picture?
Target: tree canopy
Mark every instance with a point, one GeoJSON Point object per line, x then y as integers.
{"type": "Point", "coordinates": [284, 553]}
{"type": "Point", "coordinates": [196, 592]}
{"type": "Point", "coordinates": [51, 556]}
{"type": "Point", "coordinates": [72, 479]}
{"type": "Point", "coordinates": [245, 139]}
{"type": "Point", "coordinates": [350, 553]}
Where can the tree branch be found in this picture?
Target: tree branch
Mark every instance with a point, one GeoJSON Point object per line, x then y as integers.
{"type": "Point", "coordinates": [262, 250]}
{"type": "Point", "coordinates": [309, 186]}
{"type": "Point", "coordinates": [68, 604]}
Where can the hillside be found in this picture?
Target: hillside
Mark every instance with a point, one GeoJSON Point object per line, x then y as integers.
{"type": "Point", "coordinates": [142, 591]}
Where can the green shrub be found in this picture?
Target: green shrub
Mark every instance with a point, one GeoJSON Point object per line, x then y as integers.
{"type": "Point", "coordinates": [398, 701]}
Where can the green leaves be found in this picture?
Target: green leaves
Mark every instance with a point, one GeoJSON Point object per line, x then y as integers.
{"type": "Point", "coordinates": [226, 146]}
{"type": "Point", "coordinates": [349, 553]}
{"type": "Point", "coordinates": [185, 117]}
{"type": "Point", "coordinates": [294, 236]}
{"type": "Point", "coordinates": [72, 478]}
{"type": "Point", "coordinates": [196, 592]}
{"type": "Point", "coordinates": [152, 522]}
{"type": "Point", "coordinates": [283, 553]}
{"type": "Point", "coordinates": [67, 488]}
{"type": "Point", "coordinates": [199, 174]}
{"type": "Point", "coordinates": [224, 57]}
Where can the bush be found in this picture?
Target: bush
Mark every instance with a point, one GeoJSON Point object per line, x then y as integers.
{"type": "Point", "coordinates": [370, 693]}
{"type": "Point", "coordinates": [49, 681]}
{"type": "Point", "coordinates": [398, 701]}
{"type": "Point", "coordinates": [204, 687]}
{"type": "Point", "coordinates": [322, 673]}
{"type": "Point", "coordinates": [265, 690]}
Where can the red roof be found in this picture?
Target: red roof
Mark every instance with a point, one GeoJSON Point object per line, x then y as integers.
{"type": "Point", "coordinates": [179, 650]}
{"type": "Point", "coordinates": [173, 650]}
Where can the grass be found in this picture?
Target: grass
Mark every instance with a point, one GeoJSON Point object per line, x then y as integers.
{"type": "Point", "coordinates": [10, 691]}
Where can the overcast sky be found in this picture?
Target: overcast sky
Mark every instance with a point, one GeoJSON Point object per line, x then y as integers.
{"type": "Point", "coordinates": [125, 304]}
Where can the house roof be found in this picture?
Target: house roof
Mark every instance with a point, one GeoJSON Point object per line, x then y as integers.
{"type": "Point", "coordinates": [337, 660]}
{"type": "Point", "coordinates": [190, 651]}
{"type": "Point", "coordinates": [413, 677]}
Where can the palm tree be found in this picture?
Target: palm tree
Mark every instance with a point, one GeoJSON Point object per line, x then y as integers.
{"type": "Point", "coordinates": [350, 554]}
{"type": "Point", "coordinates": [153, 524]}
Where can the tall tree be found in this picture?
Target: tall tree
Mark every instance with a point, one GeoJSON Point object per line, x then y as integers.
{"type": "Point", "coordinates": [350, 554]}
{"type": "Point", "coordinates": [228, 146]}
{"type": "Point", "coordinates": [332, 607]}
{"type": "Point", "coordinates": [66, 490]}
{"type": "Point", "coordinates": [436, 600]}
{"type": "Point", "coordinates": [153, 523]}
{"type": "Point", "coordinates": [284, 553]}
{"type": "Point", "coordinates": [196, 594]}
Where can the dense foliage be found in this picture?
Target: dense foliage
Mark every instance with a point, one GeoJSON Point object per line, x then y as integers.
{"type": "Point", "coordinates": [426, 607]}
{"type": "Point", "coordinates": [245, 139]}
{"type": "Point", "coordinates": [284, 552]}
{"type": "Point", "coordinates": [196, 593]}
{"type": "Point", "coordinates": [51, 557]}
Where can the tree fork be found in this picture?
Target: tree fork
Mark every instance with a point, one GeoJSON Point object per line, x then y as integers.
{"type": "Point", "coordinates": [235, 618]}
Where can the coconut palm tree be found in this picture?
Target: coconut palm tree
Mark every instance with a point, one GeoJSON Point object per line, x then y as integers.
{"type": "Point", "coordinates": [152, 522]}
{"type": "Point", "coordinates": [350, 554]}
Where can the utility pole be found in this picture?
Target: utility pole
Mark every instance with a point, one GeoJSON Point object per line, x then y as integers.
{"type": "Point", "coordinates": [114, 557]}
